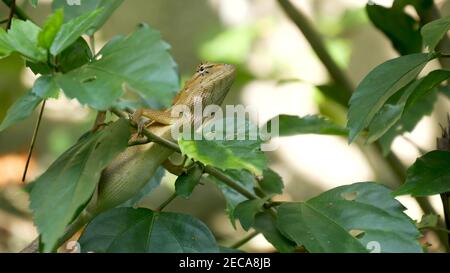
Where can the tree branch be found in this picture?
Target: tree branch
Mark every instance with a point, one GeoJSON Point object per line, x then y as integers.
{"type": "Point", "coordinates": [245, 240]}
{"type": "Point", "coordinates": [12, 11]}
{"type": "Point", "coordinates": [318, 45]}
{"type": "Point", "coordinates": [17, 11]}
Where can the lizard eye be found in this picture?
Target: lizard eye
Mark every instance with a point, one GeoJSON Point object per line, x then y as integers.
{"type": "Point", "coordinates": [202, 70]}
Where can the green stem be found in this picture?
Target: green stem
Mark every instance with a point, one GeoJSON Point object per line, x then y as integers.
{"type": "Point", "coordinates": [438, 229]}
{"type": "Point", "coordinates": [167, 202]}
{"type": "Point", "coordinates": [230, 182]}
{"type": "Point", "coordinates": [245, 240]}
{"type": "Point", "coordinates": [33, 141]}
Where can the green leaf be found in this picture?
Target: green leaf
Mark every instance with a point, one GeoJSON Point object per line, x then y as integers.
{"type": "Point", "coordinates": [5, 48]}
{"type": "Point", "coordinates": [230, 153]}
{"type": "Point", "coordinates": [34, 3]}
{"type": "Point", "coordinates": [246, 212]}
{"type": "Point", "coordinates": [72, 30]}
{"type": "Point", "coordinates": [148, 70]}
{"type": "Point", "coordinates": [186, 183]}
{"type": "Point", "coordinates": [266, 224]}
{"type": "Point", "coordinates": [271, 183]}
{"type": "Point", "coordinates": [74, 11]}
{"type": "Point", "coordinates": [350, 219]}
{"type": "Point", "coordinates": [62, 191]}
{"type": "Point", "coordinates": [154, 182]}
{"type": "Point", "coordinates": [387, 117]}
{"type": "Point", "coordinates": [45, 87]}
{"type": "Point", "coordinates": [426, 85]}
{"type": "Point", "coordinates": [408, 121]}
{"type": "Point", "coordinates": [429, 175]}
{"type": "Point", "coordinates": [127, 230]}
{"type": "Point", "coordinates": [428, 221]}
{"type": "Point", "coordinates": [20, 110]}
{"type": "Point", "coordinates": [51, 28]}
{"type": "Point", "coordinates": [75, 56]}
{"type": "Point", "coordinates": [22, 38]}
{"type": "Point", "coordinates": [293, 125]}
{"type": "Point", "coordinates": [232, 197]}
{"type": "Point", "coordinates": [413, 95]}
{"type": "Point", "coordinates": [379, 85]}
{"type": "Point", "coordinates": [434, 31]}
{"type": "Point", "coordinates": [398, 26]}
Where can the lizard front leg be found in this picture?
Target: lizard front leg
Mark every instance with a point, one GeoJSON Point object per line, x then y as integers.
{"type": "Point", "coordinates": [161, 117]}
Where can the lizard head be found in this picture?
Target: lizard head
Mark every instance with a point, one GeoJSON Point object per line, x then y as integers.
{"type": "Point", "coordinates": [211, 82]}
{"type": "Point", "coordinates": [216, 81]}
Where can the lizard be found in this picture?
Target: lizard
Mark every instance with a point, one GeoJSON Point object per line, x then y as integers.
{"type": "Point", "coordinates": [132, 169]}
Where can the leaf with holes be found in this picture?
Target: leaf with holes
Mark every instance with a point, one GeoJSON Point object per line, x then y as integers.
{"type": "Point", "coordinates": [350, 219]}
{"type": "Point", "coordinates": [379, 85]}
{"type": "Point", "coordinates": [127, 230]}
{"type": "Point", "coordinates": [429, 175]}
{"type": "Point", "coordinates": [148, 70]}
{"type": "Point", "coordinates": [62, 191]}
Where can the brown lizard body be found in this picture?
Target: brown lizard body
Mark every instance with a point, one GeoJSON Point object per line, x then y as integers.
{"type": "Point", "coordinates": [131, 170]}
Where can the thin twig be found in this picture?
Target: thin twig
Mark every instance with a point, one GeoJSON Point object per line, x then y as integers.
{"type": "Point", "coordinates": [229, 182]}
{"type": "Point", "coordinates": [12, 11]}
{"type": "Point", "coordinates": [18, 11]}
{"type": "Point", "coordinates": [167, 202]}
{"type": "Point", "coordinates": [92, 44]}
{"type": "Point", "coordinates": [414, 144]}
{"type": "Point", "coordinates": [99, 121]}
{"type": "Point", "coordinates": [245, 240]}
{"type": "Point", "coordinates": [318, 45]}
{"type": "Point", "coordinates": [33, 141]}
